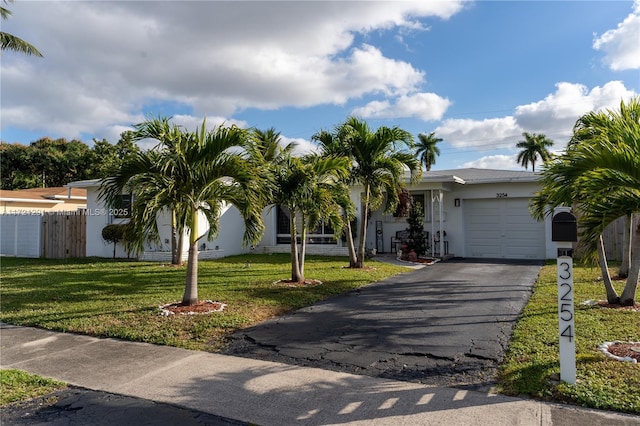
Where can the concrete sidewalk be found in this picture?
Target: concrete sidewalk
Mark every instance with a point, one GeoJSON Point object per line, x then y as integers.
{"type": "Point", "coordinates": [267, 393]}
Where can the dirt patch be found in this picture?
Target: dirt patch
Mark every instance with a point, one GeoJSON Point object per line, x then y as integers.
{"type": "Point", "coordinates": [202, 307]}
{"type": "Point", "coordinates": [291, 283]}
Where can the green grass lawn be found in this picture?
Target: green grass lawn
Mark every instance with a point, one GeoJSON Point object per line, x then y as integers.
{"type": "Point", "coordinates": [120, 299]}
{"type": "Point", "coordinates": [532, 359]}
{"type": "Point", "coordinates": [16, 385]}
{"type": "Point", "coordinates": [116, 298]}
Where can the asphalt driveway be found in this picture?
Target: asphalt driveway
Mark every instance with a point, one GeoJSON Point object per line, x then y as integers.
{"type": "Point", "coordinates": [447, 325]}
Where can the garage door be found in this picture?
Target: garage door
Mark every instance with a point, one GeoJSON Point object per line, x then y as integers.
{"type": "Point", "coordinates": [502, 228]}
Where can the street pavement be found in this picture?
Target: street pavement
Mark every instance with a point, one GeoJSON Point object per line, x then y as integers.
{"type": "Point", "coordinates": [129, 383]}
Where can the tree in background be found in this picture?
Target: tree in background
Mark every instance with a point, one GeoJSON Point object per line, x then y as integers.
{"type": "Point", "coordinates": [427, 149]}
{"type": "Point", "coordinates": [599, 173]}
{"type": "Point", "coordinates": [533, 146]}
{"type": "Point", "coordinates": [55, 162]}
{"type": "Point", "coordinates": [11, 42]}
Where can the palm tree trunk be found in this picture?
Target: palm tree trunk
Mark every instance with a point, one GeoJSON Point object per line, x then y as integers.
{"type": "Point", "coordinates": [629, 293]}
{"type": "Point", "coordinates": [295, 266]}
{"type": "Point", "coordinates": [612, 295]}
{"type": "Point", "coordinates": [351, 246]}
{"type": "Point", "coordinates": [176, 254]}
{"type": "Point", "coordinates": [190, 296]}
{"type": "Point", "coordinates": [363, 228]}
{"type": "Point", "coordinates": [303, 248]}
{"type": "Point", "coordinates": [623, 272]}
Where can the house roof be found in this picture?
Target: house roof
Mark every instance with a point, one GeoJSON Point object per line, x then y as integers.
{"type": "Point", "coordinates": [476, 176]}
{"type": "Point", "coordinates": [84, 183]}
{"type": "Point", "coordinates": [43, 195]}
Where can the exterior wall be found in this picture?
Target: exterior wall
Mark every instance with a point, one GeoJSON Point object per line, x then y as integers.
{"type": "Point", "coordinates": [227, 243]}
{"type": "Point", "coordinates": [453, 217]}
{"type": "Point", "coordinates": [97, 218]}
{"type": "Point", "coordinates": [21, 235]}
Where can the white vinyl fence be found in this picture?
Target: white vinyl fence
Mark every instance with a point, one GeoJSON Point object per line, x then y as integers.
{"type": "Point", "coordinates": [20, 235]}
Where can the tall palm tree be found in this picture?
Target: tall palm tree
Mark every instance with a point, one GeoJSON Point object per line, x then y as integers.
{"type": "Point", "coordinates": [427, 149]}
{"type": "Point", "coordinates": [379, 163]}
{"type": "Point", "coordinates": [533, 146]}
{"type": "Point", "coordinates": [331, 145]}
{"type": "Point", "coordinates": [600, 173]}
{"type": "Point", "coordinates": [11, 42]}
{"type": "Point", "coordinates": [192, 173]}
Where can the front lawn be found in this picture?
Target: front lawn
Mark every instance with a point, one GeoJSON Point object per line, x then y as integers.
{"type": "Point", "coordinates": [531, 363]}
{"type": "Point", "coordinates": [117, 298]}
{"type": "Point", "coordinates": [16, 385]}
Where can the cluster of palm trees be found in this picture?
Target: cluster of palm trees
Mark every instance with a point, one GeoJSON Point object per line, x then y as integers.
{"type": "Point", "coordinates": [195, 174]}
{"type": "Point", "coordinates": [599, 175]}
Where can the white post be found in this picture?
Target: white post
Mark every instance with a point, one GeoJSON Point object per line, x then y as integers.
{"type": "Point", "coordinates": [563, 233]}
{"type": "Point", "coordinates": [566, 326]}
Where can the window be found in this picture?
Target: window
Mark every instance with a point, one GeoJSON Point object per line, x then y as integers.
{"type": "Point", "coordinates": [121, 210]}
{"type": "Point", "coordinates": [322, 234]}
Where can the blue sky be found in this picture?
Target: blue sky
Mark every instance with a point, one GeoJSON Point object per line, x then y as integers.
{"type": "Point", "coordinates": [478, 74]}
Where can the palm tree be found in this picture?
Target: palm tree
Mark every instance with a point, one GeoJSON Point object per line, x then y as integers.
{"type": "Point", "coordinates": [600, 173]}
{"type": "Point", "coordinates": [306, 188]}
{"type": "Point", "coordinates": [193, 174]}
{"type": "Point", "coordinates": [379, 165]}
{"type": "Point", "coordinates": [533, 146]}
{"type": "Point", "coordinates": [331, 144]}
{"type": "Point", "coordinates": [11, 42]}
{"type": "Point", "coordinates": [427, 150]}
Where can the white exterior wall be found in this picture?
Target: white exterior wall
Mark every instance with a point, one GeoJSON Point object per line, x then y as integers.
{"type": "Point", "coordinates": [97, 218]}
{"type": "Point", "coordinates": [228, 241]}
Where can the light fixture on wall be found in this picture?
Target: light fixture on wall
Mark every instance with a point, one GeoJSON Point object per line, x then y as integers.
{"type": "Point", "coordinates": [456, 202]}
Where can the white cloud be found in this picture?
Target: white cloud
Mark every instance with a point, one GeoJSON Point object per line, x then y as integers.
{"type": "Point", "coordinates": [426, 106]}
{"type": "Point", "coordinates": [554, 116]}
{"type": "Point", "coordinates": [621, 45]}
{"type": "Point", "coordinates": [500, 162]}
{"type": "Point", "coordinates": [104, 62]}
{"type": "Point", "coordinates": [487, 134]}
{"type": "Point", "coordinates": [301, 146]}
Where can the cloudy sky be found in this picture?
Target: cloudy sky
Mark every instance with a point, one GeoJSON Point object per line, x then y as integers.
{"type": "Point", "coordinates": [478, 74]}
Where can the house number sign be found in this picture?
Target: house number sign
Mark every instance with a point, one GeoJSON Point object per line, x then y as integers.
{"type": "Point", "coordinates": [501, 195]}
{"type": "Point", "coordinates": [564, 233]}
{"type": "Point", "coordinates": [566, 325]}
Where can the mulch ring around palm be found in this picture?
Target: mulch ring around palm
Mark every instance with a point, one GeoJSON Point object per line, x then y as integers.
{"type": "Point", "coordinates": [292, 283]}
{"type": "Point", "coordinates": [202, 307]}
{"type": "Point", "coordinates": [622, 351]}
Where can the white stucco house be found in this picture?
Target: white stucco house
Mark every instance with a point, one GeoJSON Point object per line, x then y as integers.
{"type": "Point", "coordinates": [483, 213]}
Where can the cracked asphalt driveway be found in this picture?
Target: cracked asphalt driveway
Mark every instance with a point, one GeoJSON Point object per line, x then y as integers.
{"type": "Point", "coordinates": [447, 324]}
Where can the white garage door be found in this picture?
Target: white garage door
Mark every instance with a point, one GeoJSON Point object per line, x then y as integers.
{"type": "Point", "coordinates": [502, 228]}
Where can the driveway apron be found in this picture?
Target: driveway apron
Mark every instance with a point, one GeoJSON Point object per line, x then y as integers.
{"type": "Point", "coordinates": [447, 324]}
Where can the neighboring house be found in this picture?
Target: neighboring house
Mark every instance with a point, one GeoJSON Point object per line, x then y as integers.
{"type": "Point", "coordinates": [30, 218]}
{"type": "Point", "coordinates": [483, 213]}
{"type": "Point", "coordinates": [33, 200]}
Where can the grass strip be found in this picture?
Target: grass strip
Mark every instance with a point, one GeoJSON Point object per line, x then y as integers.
{"type": "Point", "coordinates": [531, 366]}
{"type": "Point", "coordinates": [16, 385]}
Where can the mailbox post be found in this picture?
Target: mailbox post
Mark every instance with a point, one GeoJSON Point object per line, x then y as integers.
{"type": "Point", "coordinates": [564, 231]}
